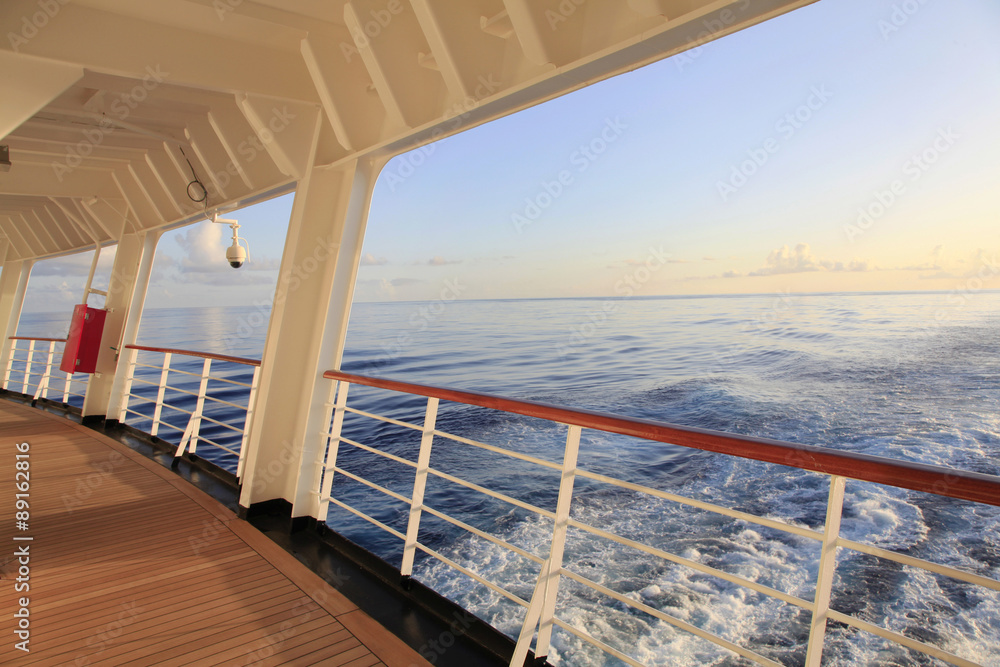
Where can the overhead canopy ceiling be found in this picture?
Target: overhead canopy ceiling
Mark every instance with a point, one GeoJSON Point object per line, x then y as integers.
{"type": "Point", "coordinates": [112, 109]}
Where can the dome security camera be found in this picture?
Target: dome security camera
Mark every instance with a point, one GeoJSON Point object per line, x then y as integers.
{"type": "Point", "coordinates": [236, 255]}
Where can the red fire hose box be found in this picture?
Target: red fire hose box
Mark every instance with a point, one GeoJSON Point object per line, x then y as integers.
{"type": "Point", "coordinates": [83, 343]}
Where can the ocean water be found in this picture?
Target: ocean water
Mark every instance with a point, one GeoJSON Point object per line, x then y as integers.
{"type": "Point", "coordinates": [914, 377]}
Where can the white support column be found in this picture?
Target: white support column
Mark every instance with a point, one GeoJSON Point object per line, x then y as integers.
{"type": "Point", "coordinates": [27, 367]}
{"type": "Point", "coordinates": [419, 485]}
{"type": "Point", "coordinates": [251, 400]}
{"type": "Point", "coordinates": [306, 334]}
{"type": "Point", "coordinates": [43, 386]}
{"type": "Point", "coordinates": [541, 609]}
{"type": "Point", "coordinates": [827, 567]}
{"type": "Point", "coordinates": [189, 440]}
{"type": "Point", "coordinates": [161, 390]}
{"type": "Point", "coordinates": [127, 296]}
{"type": "Point", "coordinates": [559, 531]}
{"type": "Point", "coordinates": [13, 283]}
{"type": "Point", "coordinates": [9, 350]}
{"type": "Point", "coordinates": [337, 411]}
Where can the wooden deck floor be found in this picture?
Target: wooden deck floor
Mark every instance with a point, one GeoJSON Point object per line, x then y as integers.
{"type": "Point", "coordinates": [130, 565]}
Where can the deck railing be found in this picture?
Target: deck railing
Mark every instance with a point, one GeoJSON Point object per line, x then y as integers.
{"type": "Point", "coordinates": [183, 406]}
{"type": "Point", "coordinates": [540, 616]}
{"type": "Point", "coordinates": [33, 370]}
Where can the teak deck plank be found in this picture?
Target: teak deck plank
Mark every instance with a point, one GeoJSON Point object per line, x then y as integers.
{"type": "Point", "coordinates": [129, 564]}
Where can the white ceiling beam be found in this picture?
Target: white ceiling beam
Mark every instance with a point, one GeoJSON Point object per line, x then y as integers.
{"type": "Point", "coordinates": [285, 130]}
{"type": "Point", "coordinates": [56, 225]}
{"type": "Point", "coordinates": [389, 43]}
{"type": "Point", "coordinates": [44, 229]}
{"type": "Point", "coordinates": [432, 22]}
{"type": "Point", "coordinates": [29, 83]}
{"type": "Point", "coordinates": [55, 180]}
{"type": "Point", "coordinates": [145, 215]}
{"type": "Point", "coordinates": [206, 175]}
{"type": "Point", "coordinates": [155, 53]}
{"type": "Point", "coordinates": [234, 164]}
{"type": "Point", "coordinates": [87, 212]}
{"type": "Point", "coordinates": [31, 236]}
{"type": "Point", "coordinates": [166, 177]}
{"type": "Point", "coordinates": [550, 31]}
{"type": "Point", "coordinates": [10, 229]}
{"type": "Point", "coordinates": [140, 185]}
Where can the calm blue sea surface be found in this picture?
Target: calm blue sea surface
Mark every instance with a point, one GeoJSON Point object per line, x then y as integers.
{"type": "Point", "coordinates": [914, 377]}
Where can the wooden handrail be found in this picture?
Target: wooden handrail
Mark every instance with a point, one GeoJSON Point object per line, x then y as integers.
{"type": "Point", "coordinates": [47, 340]}
{"type": "Point", "coordinates": [938, 480]}
{"type": "Point", "coordinates": [192, 353]}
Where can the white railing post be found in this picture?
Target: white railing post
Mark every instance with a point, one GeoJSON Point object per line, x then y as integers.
{"type": "Point", "coordinates": [827, 567]}
{"type": "Point", "coordinates": [332, 448]}
{"type": "Point", "coordinates": [10, 363]}
{"type": "Point", "coordinates": [27, 367]}
{"type": "Point", "coordinates": [247, 422]}
{"type": "Point", "coordinates": [43, 386]}
{"type": "Point", "coordinates": [133, 356]}
{"type": "Point", "coordinates": [531, 617]}
{"type": "Point", "coordinates": [190, 437]}
{"type": "Point", "coordinates": [159, 394]}
{"type": "Point", "coordinates": [419, 484]}
{"type": "Point", "coordinates": [548, 582]}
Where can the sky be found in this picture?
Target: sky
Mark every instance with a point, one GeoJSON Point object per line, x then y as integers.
{"type": "Point", "coordinates": [851, 145]}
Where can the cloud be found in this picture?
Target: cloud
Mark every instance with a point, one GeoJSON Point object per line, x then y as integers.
{"type": "Point", "coordinates": [441, 261]}
{"type": "Point", "coordinates": [369, 259]}
{"type": "Point", "coordinates": [642, 262]}
{"type": "Point", "coordinates": [782, 260]}
{"type": "Point", "coordinates": [201, 245]}
{"type": "Point", "coordinates": [402, 282]}
{"type": "Point", "coordinates": [709, 259]}
{"type": "Point", "coordinates": [205, 252]}
{"type": "Point", "coordinates": [800, 259]}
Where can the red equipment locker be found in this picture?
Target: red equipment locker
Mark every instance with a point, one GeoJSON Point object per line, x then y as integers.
{"type": "Point", "coordinates": [83, 343]}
